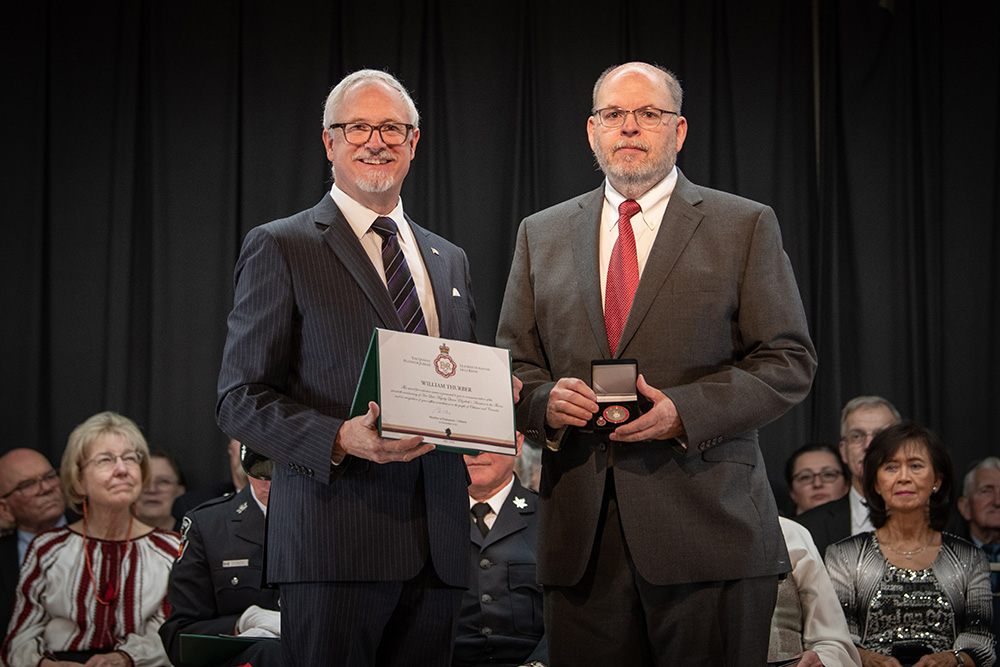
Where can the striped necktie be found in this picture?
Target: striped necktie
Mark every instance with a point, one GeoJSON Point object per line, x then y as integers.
{"type": "Point", "coordinates": [398, 280]}
{"type": "Point", "coordinates": [623, 275]}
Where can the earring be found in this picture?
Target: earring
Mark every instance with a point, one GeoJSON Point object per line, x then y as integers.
{"type": "Point", "coordinates": [933, 489]}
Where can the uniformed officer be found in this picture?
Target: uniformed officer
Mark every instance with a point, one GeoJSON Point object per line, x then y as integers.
{"type": "Point", "coordinates": [500, 624]}
{"type": "Point", "coordinates": [215, 585]}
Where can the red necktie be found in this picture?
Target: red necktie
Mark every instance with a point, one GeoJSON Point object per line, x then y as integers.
{"type": "Point", "coordinates": [623, 275]}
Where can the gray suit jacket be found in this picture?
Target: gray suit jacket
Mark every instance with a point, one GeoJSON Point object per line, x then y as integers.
{"type": "Point", "coordinates": [307, 300]}
{"type": "Point", "coordinates": [716, 324]}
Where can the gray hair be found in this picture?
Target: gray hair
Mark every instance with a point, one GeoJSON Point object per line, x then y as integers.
{"type": "Point", "coordinates": [970, 477]}
{"type": "Point", "coordinates": [673, 83]}
{"type": "Point", "coordinates": [867, 402]}
{"type": "Point", "coordinates": [361, 78]}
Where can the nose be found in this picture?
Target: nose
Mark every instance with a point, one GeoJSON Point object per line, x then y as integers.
{"type": "Point", "coordinates": [375, 141]}
{"type": "Point", "coordinates": [630, 127]}
{"type": "Point", "coordinates": [817, 482]}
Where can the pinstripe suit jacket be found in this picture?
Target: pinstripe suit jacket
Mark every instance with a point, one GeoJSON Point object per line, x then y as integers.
{"type": "Point", "coordinates": [716, 324]}
{"type": "Point", "coordinates": [307, 300]}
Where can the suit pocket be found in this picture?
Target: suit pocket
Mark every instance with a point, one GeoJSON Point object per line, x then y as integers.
{"type": "Point", "coordinates": [525, 598]}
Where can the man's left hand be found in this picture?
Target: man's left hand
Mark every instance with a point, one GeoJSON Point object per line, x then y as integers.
{"type": "Point", "coordinates": [660, 423]}
{"type": "Point", "coordinates": [517, 385]}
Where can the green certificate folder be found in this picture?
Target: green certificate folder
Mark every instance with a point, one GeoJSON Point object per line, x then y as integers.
{"type": "Point", "coordinates": [208, 649]}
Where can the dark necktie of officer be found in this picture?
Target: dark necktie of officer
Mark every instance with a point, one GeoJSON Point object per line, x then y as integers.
{"type": "Point", "coordinates": [479, 511]}
{"type": "Point", "coordinates": [993, 553]}
{"type": "Point", "coordinates": [398, 279]}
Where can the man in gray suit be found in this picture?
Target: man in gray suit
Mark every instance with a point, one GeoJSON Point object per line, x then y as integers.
{"type": "Point", "coordinates": [367, 537]}
{"type": "Point", "coordinates": [659, 542]}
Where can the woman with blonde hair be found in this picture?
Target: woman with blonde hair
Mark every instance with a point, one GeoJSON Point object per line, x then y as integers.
{"type": "Point", "coordinates": [94, 592]}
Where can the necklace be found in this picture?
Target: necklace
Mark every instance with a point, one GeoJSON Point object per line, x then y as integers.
{"type": "Point", "coordinates": [909, 554]}
{"type": "Point", "coordinates": [109, 593]}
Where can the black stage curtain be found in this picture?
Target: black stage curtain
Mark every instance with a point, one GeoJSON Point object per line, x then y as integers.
{"type": "Point", "coordinates": [143, 139]}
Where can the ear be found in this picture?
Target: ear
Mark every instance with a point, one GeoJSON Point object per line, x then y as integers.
{"type": "Point", "coordinates": [328, 143]}
{"type": "Point", "coordinates": [5, 512]}
{"type": "Point", "coordinates": [413, 143]}
{"type": "Point", "coordinates": [590, 130]}
{"type": "Point", "coordinates": [964, 509]}
{"type": "Point", "coordinates": [682, 130]}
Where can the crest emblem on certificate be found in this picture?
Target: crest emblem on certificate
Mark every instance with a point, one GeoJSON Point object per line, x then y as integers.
{"type": "Point", "coordinates": [444, 364]}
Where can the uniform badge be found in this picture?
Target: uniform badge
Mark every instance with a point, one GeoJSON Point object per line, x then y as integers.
{"type": "Point", "coordinates": [242, 508]}
{"type": "Point", "coordinates": [185, 525]}
{"type": "Point", "coordinates": [520, 503]}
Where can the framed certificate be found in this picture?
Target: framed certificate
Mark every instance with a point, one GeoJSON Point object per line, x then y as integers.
{"type": "Point", "coordinates": [455, 394]}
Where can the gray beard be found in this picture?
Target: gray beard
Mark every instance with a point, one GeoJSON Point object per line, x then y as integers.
{"type": "Point", "coordinates": [376, 183]}
{"type": "Point", "coordinates": [631, 180]}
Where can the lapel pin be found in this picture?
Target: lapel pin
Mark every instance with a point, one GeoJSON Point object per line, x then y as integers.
{"type": "Point", "coordinates": [520, 503]}
{"type": "Point", "coordinates": [435, 250]}
{"type": "Point", "coordinates": [454, 291]}
{"type": "Point", "coordinates": [241, 508]}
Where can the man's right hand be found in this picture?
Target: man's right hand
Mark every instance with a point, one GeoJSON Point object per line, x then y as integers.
{"type": "Point", "coordinates": [359, 437]}
{"type": "Point", "coordinates": [571, 403]}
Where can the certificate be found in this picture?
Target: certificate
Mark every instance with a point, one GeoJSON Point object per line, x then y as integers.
{"type": "Point", "coordinates": [455, 394]}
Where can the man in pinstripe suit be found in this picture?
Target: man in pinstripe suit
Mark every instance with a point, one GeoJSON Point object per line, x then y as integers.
{"type": "Point", "coordinates": [367, 538]}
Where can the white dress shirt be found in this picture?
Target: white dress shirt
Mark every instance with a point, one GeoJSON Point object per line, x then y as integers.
{"type": "Point", "coordinates": [860, 521]}
{"type": "Point", "coordinates": [495, 502]}
{"type": "Point", "coordinates": [645, 224]}
{"type": "Point", "coordinates": [360, 218]}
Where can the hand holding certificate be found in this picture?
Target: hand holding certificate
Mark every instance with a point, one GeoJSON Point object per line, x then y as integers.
{"type": "Point", "coordinates": [453, 394]}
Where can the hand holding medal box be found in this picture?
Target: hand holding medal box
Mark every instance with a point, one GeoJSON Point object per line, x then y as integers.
{"type": "Point", "coordinates": [613, 380]}
{"type": "Point", "coordinates": [455, 394]}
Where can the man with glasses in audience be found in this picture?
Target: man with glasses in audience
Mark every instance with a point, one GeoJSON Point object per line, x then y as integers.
{"type": "Point", "coordinates": [980, 507]}
{"type": "Point", "coordinates": [860, 420]}
{"type": "Point", "coordinates": [30, 498]}
{"type": "Point", "coordinates": [367, 537]}
{"type": "Point", "coordinates": [659, 540]}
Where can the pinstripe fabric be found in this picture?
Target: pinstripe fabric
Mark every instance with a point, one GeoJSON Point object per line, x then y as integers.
{"type": "Point", "coordinates": [307, 299]}
{"type": "Point", "coordinates": [857, 567]}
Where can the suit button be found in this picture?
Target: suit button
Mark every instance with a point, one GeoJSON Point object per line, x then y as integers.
{"type": "Point", "coordinates": [603, 446]}
{"type": "Point", "coordinates": [703, 446]}
{"type": "Point", "coordinates": [485, 564]}
{"type": "Point", "coordinates": [486, 630]}
{"type": "Point", "coordinates": [235, 581]}
{"type": "Point", "coordinates": [486, 598]}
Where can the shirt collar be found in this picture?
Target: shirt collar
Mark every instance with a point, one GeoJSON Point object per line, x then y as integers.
{"type": "Point", "coordinates": [647, 201]}
{"type": "Point", "coordinates": [359, 216]}
{"type": "Point", "coordinates": [496, 501]}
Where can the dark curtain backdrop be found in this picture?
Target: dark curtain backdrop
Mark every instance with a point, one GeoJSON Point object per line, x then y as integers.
{"type": "Point", "coordinates": [143, 139]}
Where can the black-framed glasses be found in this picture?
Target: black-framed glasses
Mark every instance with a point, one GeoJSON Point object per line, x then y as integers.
{"type": "Point", "coordinates": [826, 475]}
{"type": "Point", "coordinates": [647, 118]}
{"type": "Point", "coordinates": [393, 134]}
{"type": "Point", "coordinates": [31, 486]}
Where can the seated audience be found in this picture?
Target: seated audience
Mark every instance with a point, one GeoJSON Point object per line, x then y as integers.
{"type": "Point", "coordinates": [980, 507]}
{"type": "Point", "coordinates": [500, 623]}
{"type": "Point", "coordinates": [98, 586]}
{"type": "Point", "coordinates": [215, 585]}
{"type": "Point", "coordinates": [31, 501]}
{"type": "Point", "coordinates": [911, 594]}
{"type": "Point", "coordinates": [861, 418]}
{"type": "Point", "coordinates": [196, 496]}
{"type": "Point", "coordinates": [165, 486]}
{"type": "Point", "coordinates": [816, 475]}
{"type": "Point", "coordinates": [528, 466]}
{"type": "Point", "coordinates": [807, 619]}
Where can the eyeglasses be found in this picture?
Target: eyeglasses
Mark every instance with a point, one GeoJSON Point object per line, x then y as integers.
{"type": "Point", "coordinates": [858, 437]}
{"type": "Point", "coordinates": [393, 134]}
{"type": "Point", "coordinates": [647, 117]}
{"type": "Point", "coordinates": [31, 486]}
{"type": "Point", "coordinates": [107, 461]}
{"type": "Point", "coordinates": [827, 476]}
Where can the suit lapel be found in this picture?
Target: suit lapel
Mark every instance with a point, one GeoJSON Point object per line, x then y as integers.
{"type": "Point", "coordinates": [511, 518]}
{"type": "Point", "coordinates": [249, 524]}
{"type": "Point", "coordinates": [341, 239]}
{"type": "Point", "coordinates": [679, 223]}
{"type": "Point", "coordinates": [583, 228]}
{"type": "Point", "coordinates": [437, 273]}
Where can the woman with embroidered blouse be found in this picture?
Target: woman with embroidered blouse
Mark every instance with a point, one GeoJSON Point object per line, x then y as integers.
{"type": "Point", "coordinates": [912, 595]}
{"type": "Point", "coordinates": [94, 592]}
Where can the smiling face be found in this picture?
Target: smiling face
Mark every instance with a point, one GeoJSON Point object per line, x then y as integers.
{"type": "Point", "coordinates": [112, 487]}
{"type": "Point", "coordinates": [806, 493]}
{"type": "Point", "coordinates": [371, 174]}
{"type": "Point", "coordinates": [907, 480]}
{"type": "Point", "coordinates": [157, 499]}
{"type": "Point", "coordinates": [635, 159]}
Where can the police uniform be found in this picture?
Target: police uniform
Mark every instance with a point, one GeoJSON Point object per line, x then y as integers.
{"type": "Point", "coordinates": [501, 619]}
{"type": "Point", "coordinates": [217, 575]}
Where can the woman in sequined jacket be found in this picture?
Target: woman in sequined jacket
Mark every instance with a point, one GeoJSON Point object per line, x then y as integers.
{"type": "Point", "coordinates": [911, 594]}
